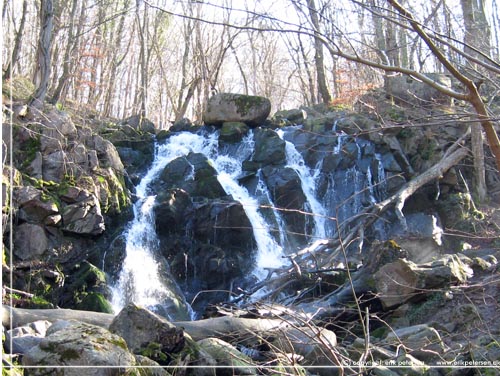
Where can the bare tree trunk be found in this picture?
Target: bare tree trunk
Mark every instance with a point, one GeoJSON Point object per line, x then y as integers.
{"type": "Point", "coordinates": [143, 69]}
{"type": "Point", "coordinates": [42, 72]}
{"type": "Point", "coordinates": [476, 34]}
{"type": "Point", "coordinates": [67, 55]}
{"type": "Point", "coordinates": [319, 56]}
{"type": "Point", "coordinates": [115, 62]}
{"type": "Point", "coordinates": [17, 44]}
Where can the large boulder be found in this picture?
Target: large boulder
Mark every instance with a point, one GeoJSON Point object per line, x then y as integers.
{"type": "Point", "coordinates": [402, 280]}
{"type": "Point", "coordinates": [143, 329]}
{"type": "Point", "coordinates": [73, 343]}
{"type": "Point", "coordinates": [227, 107]}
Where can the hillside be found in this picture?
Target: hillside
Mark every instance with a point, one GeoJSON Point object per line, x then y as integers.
{"type": "Point", "coordinates": [419, 302]}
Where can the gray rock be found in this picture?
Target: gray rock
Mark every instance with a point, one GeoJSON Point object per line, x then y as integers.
{"type": "Point", "coordinates": [30, 241]}
{"type": "Point", "coordinates": [84, 217]}
{"type": "Point", "coordinates": [53, 167]}
{"type": "Point", "coordinates": [139, 123]}
{"type": "Point", "coordinates": [35, 167]}
{"type": "Point", "coordinates": [20, 340]}
{"type": "Point", "coordinates": [141, 327]}
{"type": "Point", "coordinates": [107, 153]}
{"type": "Point", "coordinates": [422, 341]}
{"type": "Point", "coordinates": [248, 109]}
{"type": "Point", "coordinates": [269, 148]}
{"type": "Point", "coordinates": [417, 92]}
{"type": "Point", "coordinates": [31, 206]}
{"type": "Point", "coordinates": [58, 129]}
{"type": "Point", "coordinates": [402, 280]}
{"type": "Point", "coordinates": [79, 344]}
{"type": "Point", "coordinates": [295, 116]}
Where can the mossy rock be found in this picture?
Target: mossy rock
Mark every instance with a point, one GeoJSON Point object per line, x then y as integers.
{"type": "Point", "coordinates": [21, 88]}
{"type": "Point", "coordinates": [88, 275]}
{"type": "Point", "coordinates": [233, 131]}
{"type": "Point", "coordinates": [95, 302]}
{"type": "Point", "coordinates": [230, 107]}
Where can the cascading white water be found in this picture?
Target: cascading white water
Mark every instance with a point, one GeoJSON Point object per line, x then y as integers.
{"type": "Point", "coordinates": [308, 183]}
{"type": "Point", "coordinates": [264, 192]}
{"type": "Point", "coordinates": [269, 252]}
{"type": "Point", "coordinates": [140, 278]}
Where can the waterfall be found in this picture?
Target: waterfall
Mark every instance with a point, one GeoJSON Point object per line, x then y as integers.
{"type": "Point", "coordinates": [140, 279]}
{"type": "Point", "coordinates": [145, 277]}
{"type": "Point", "coordinates": [269, 252]}
{"type": "Point", "coordinates": [308, 184]}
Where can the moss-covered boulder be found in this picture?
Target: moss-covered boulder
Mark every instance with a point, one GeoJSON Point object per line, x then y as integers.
{"type": "Point", "coordinates": [232, 132]}
{"type": "Point", "coordinates": [228, 107]}
{"type": "Point", "coordinates": [73, 343]}
{"type": "Point", "coordinates": [94, 301]}
{"type": "Point", "coordinates": [148, 334]}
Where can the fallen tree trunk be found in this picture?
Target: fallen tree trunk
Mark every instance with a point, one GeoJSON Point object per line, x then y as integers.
{"type": "Point", "coordinates": [14, 317]}
{"type": "Point", "coordinates": [316, 345]}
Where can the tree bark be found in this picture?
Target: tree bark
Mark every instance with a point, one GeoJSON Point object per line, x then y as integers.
{"type": "Point", "coordinates": [42, 73]}
{"type": "Point", "coordinates": [17, 44]}
{"type": "Point", "coordinates": [319, 56]}
{"type": "Point", "coordinates": [67, 61]}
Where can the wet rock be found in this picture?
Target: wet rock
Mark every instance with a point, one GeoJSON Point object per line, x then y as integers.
{"type": "Point", "coordinates": [228, 107]}
{"type": "Point", "coordinates": [286, 191]}
{"type": "Point", "coordinates": [269, 148]}
{"type": "Point", "coordinates": [79, 344]}
{"type": "Point", "coordinates": [141, 328]}
{"type": "Point", "coordinates": [171, 211]}
{"type": "Point", "coordinates": [232, 132]}
{"type": "Point", "coordinates": [182, 125]}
